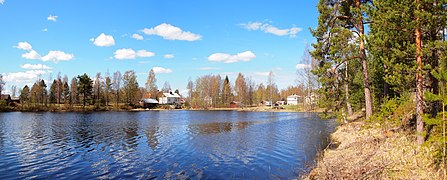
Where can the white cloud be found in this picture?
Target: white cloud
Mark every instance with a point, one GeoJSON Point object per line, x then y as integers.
{"type": "Point", "coordinates": [125, 54]}
{"type": "Point", "coordinates": [45, 30]}
{"type": "Point", "coordinates": [35, 66]}
{"type": "Point", "coordinates": [262, 73]}
{"type": "Point", "coordinates": [103, 40]}
{"type": "Point", "coordinates": [2, 1]}
{"type": "Point", "coordinates": [168, 56]}
{"type": "Point", "coordinates": [27, 76]}
{"type": "Point", "coordinates": [52, 18]}
{"type": "Point", "coordinates": [31, 55]}
{"type": "Point", "coordinates": [302, 66]}
{"type": "Point", "coordinates": [208, 68]}
{"type": "Point", "coordinates": [267, 28]}
{"type": "Point", "coordinates": [56, 56]}
{"type": "Point", "coordinates": [161, 70]}
{"type": "Point", "coordinates": [132, 54]}
{"type": "Point", "coordinates": [171, 32]}
{"type": "Point", "coordinates": [144, 62]}
{"type": "Point", "coordinates": [144, 53]}
{"type": "Point", "coordinates": [227, 58]}
{"type": "Point", "coordinates": [24, 46]}
{"type": "Point", "coordinates": [137, 37]}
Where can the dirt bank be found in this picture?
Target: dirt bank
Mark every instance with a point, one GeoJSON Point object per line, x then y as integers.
{"type": "Point", "coordinates": [360, 152]}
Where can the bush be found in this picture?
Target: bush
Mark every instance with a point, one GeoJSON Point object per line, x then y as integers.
{"type": "Point", "coordinates": [395, 112]}
{"type": "Point", "coordinates": [3, 103]}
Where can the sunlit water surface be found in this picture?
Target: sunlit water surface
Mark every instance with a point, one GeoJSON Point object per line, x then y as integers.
{"type": "Point", "coordinates": [159, 144]}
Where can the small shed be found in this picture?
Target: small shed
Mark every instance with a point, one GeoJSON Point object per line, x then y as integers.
{"type": "Point", "coordinates": [15, 100]}
{"type": "Point", "coordinates": [234, 104]}
{"type": "Point", "coordinates": [267, 103]}
{"type": "Point", "coordinates": [148, 103]}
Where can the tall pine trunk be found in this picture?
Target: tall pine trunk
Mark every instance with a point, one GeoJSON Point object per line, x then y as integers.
{"type": "Point", "coordinates": [419, 81]}
{"type": "Point", "coordinates": [361, 28]}
{"type": "Point", "coordinates": [348, 104]}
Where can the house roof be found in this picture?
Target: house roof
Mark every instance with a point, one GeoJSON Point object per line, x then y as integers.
{"type": "Point", "coordinates": [173, 95]}
{"type": "Point", "coordinates": [150, 101]}
{"type": "Point", "coordinates": [293, 96]}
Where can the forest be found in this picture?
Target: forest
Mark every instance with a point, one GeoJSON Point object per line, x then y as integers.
{"type": "Point", "coordinates": [386, 59]}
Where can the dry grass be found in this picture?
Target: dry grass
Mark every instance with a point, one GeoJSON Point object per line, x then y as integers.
{"type": "Point", "coordinates": [374, 153]}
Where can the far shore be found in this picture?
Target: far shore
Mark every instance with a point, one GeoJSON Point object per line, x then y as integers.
{"type": "Point", "coordinates": [248, 109]}
{"type": "Point", "coordinates": [55, 108]}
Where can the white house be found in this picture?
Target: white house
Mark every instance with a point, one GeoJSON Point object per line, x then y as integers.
{"type": "Point", "coordinates": [293, 99]}
{"type": "Point", "coordinates": [169, 98]}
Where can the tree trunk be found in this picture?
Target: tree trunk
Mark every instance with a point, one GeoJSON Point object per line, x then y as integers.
{"type": "Point", "coordinates": [419, 81]}
{"type": "Point", "coordinates": [361, 28]}
{"type": "Point", "coordinates": [83, 100]}
{"type": "Point", "coordinates": [117, 98]}
{"type": "Point", "coordinates": [433, 81]}
{"type": "Point", "coordinates": [348, 104]}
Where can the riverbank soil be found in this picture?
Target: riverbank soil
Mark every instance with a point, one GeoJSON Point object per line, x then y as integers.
{"type": "Point", "coordinates": [360, 151]}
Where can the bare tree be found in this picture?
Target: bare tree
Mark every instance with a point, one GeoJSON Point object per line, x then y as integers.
{"type": "Point", "coordinates": [190, 88]}
{"type": "Point", "coordinates": [166, 87]}
{"type": "Point", "coordinates": [73, 91]}
{"type": "Point", "coordinates": [130, 85]}
{"type": "Point", "coordinates": [97, 88]}
{"type": "Point", "coordinates": [117, 78]}
{"type": "Point", "coordinates": [272, 85]}
{"type": "Point", "coordinates": [151, 86]}
{"type": "Point", "coordinates": [107, 88]}
{"type": "Point", "coordinates": [13, 90]}
{"type": "Point", "coordinates": [2, 84]}
{"type": "Point", "coordinates": [307, 78]}
{"type": "Point", "coordinates": [250, 91]}
{"type": "Point", "coordinates": [240, 88]}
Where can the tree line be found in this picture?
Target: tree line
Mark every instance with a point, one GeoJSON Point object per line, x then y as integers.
{"type": "Point", "coordinates": [83, 90]}
{"type": "Point", "coordinates": [214, 91]}
{"type": "Point", "coordinates": [122, 91]}
{"type": "Point", "coordinates": [401, 55]}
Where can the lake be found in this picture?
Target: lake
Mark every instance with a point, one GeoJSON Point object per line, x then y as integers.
{"type": "Point", "coordinates": [160, 144]}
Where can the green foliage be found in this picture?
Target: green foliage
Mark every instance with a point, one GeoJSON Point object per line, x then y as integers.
{"type": "Point", "coordinates": [394, 112]}
{"type": "Point", "coordinates": [3, 103]}
{"type": "Point", "coordinates": [85, 87]}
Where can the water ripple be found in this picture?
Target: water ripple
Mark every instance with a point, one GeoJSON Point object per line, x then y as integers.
{"type": "Point", "coordinates": [159, 144]}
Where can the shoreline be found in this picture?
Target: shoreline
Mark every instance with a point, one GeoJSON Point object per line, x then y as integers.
{"type": "Point", "coordinates": [359, 150]}
{"type": "Point", "coordinates": [102, 109]}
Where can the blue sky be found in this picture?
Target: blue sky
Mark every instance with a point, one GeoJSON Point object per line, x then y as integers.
{"type": "Point", "coordinates": [180, 39]}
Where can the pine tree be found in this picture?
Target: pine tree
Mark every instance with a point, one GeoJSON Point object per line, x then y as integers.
{"type": "Point", "coordinates": [85, 87]}
{"type": "Point", "coordinates": [240, 88]}
{"type": "Point", "coordinates": [226, 91]}
{"type": "Point", "coordinates": [25, 95]}
{"type": "Point", "coordinates": [130, 86]}
{"type": "Point", "coordinates": [337, 21]}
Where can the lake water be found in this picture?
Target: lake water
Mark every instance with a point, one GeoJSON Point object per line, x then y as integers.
{"type": "Point", "coordinates": [159, 144]}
